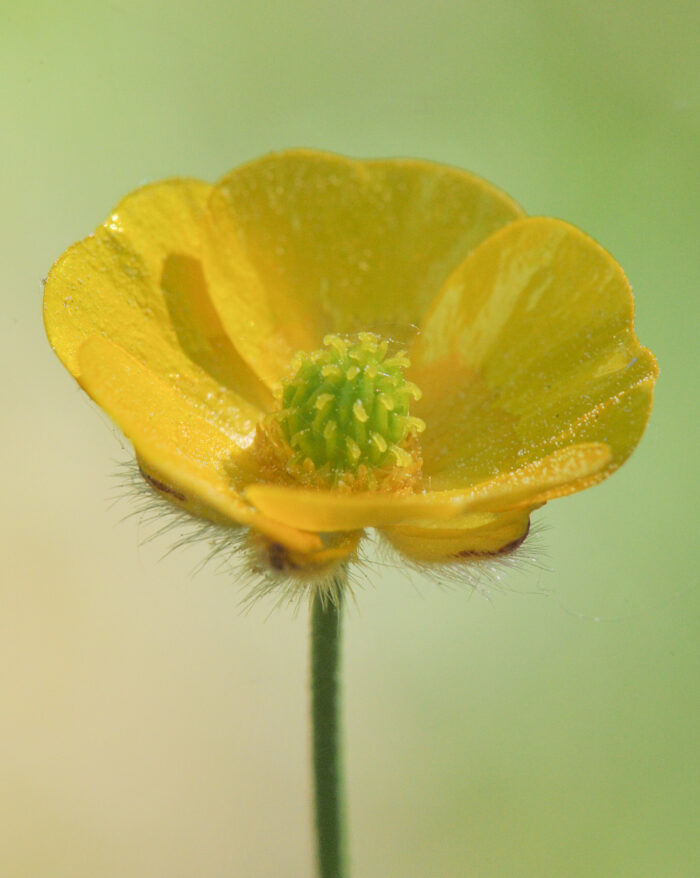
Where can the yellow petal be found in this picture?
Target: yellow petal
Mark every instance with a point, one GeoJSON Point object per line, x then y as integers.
{"type": "Point", "coordinates": [143, 280]}
{"type": "Point", "coordinates": [529, 347]}
{"type": "Point", "coordinates": [560, 473]}
{"type": "Point", "coordinates": [182, 455]}
{"type": "Point", "coordinates": [470, 536]}
{"type": "Point", "coordinates": [342, 245]}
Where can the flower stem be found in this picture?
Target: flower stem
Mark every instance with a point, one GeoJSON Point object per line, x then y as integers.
{"type": "Point", "coordinates": [325, 637]}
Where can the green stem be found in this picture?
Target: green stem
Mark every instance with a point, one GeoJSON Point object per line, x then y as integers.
{"type": "Point", "coordinates": [325, 637]}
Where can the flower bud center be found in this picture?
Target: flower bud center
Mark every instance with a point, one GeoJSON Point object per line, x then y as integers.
{"type": "Point", "coordinates": [345, 413]}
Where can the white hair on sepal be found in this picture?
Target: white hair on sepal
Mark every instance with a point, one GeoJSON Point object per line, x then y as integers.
{"type": "Point", "coordinates": [257, 564]}
{"type": "Point", "coordinates": [485, 575]}
{"type": "Point", "coordinates": [248, 558]}
{"type": "Point", "coordinates": [160, 518]}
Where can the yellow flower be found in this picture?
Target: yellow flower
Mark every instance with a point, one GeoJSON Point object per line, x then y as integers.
{"type": "Point", "coordinates": [237, 334]}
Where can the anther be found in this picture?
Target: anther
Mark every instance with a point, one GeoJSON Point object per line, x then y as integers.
{"type": "Point", "coordinates": [354, 450]}
{"type": "Point", "coordinates": [322, 400]}
{"type": "Point", "coordinates": [359, 411]}
{"type": "Point", "coordinates": [412, 389]}
{"type": "Point", "coordinates": [379, 442]}
{"type": "Point", "coordinates": [401, 456]}
{"type": "Point", "coordinates": [337, 343]}
{"type": "Point", "coordinates": [417, 424]}
{"type": "Point", "coordinates": [332, 371]}
{"type": "Point", "coordinates": [399, 359]}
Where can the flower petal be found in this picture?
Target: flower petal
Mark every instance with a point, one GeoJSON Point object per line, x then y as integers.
{"type": "Point", "coordinates": [529, 347]}
{"type": "Point", "coordinates": [183, 456]}
{"type": "Point", "coordinates": [143, 280]}
{"type": "Point", "coordinates": [342, 245]}
{"type": "Point", "coordinates": [471, 536]}
{"type": "Point", "coordinates": [560, 473]}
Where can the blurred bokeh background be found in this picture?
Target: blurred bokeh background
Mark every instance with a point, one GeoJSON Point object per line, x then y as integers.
{"type": "Point", "coordinates": [149, 728]}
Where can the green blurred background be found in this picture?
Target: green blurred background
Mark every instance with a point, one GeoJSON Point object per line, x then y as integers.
{"type": "Point", "coordinates": [147, 727]}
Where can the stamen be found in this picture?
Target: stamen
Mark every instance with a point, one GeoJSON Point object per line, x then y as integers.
{"type": "Point", "coordinates": [379, 442]}
{"type": "Point", "coordinates": [332, 371]}
{"type": "Point", "coordinates": [413, 390]}
{"type": "Point", "coordinates": [401, 456]}
{"type": "Point", "coordinates": [400, 359]}
{"type": "Point", "coordinates": [354, 450]}
{"type": "Point", "coordinates": [338, 345]}
{"type": "Point", "coordinates": [359, 411]}
{"type": "Point", "coordinates": [417, 424]}
{"type": "Point", "coordinates": [322, 401]}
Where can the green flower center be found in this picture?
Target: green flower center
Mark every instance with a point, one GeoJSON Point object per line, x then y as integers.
{"type": "Point", "coordinates": [346, 409]}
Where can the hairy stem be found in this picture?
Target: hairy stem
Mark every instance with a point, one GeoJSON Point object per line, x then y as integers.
{"type": "Point", "coordinates": [325, 643]}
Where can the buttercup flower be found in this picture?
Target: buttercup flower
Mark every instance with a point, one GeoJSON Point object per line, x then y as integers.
{"type": "Point", "coordinates": [316, 345]}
